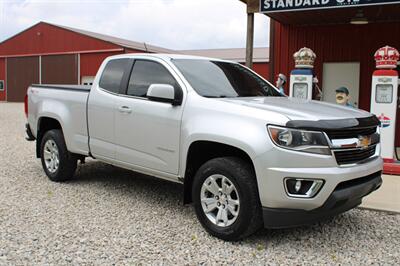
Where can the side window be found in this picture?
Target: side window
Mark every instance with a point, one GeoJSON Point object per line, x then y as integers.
{"type": "Point", "coordinates": [113, 73]}
{"type": "Point", "coordinates": [144, 74]}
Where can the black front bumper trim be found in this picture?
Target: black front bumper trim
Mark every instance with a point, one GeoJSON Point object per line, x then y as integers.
{"type": "Point", "coordinates": [346, 196]}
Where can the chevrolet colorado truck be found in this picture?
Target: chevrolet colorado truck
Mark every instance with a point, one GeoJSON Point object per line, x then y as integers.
{"type": "Point", "coordinates": [246, 155]}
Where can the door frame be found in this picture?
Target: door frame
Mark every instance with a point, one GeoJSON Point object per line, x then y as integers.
{"type": "Point", "coordinates": [342, 62]}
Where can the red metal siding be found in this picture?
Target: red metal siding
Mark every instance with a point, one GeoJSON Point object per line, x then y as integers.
{"type": "Point", "coordinates": [3, 77]}
{"type": "Point", "coordinates": [262, 69]}
{"type": "Point", "coordinates": [44, 38]}
{"type": "Point", "coordinates": [336, 43]}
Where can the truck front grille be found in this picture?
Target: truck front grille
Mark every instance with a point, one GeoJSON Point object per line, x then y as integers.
{"type": "Point", "coordinates": [352, 156]}
{"type": "Point", "coordinates": [350, 133]}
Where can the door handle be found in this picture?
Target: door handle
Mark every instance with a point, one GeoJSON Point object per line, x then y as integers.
{"type": "Point", "coordinates": [125, 109]}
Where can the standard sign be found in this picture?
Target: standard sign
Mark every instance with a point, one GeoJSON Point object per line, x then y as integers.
{"type": "Point", "coordinates": [268, 6]}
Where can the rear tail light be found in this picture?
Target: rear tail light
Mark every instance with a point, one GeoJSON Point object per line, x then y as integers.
{"type": "Point", "coordinates": [26, 105]}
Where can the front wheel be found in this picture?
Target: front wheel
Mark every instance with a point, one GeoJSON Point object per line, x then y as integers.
{"type": "Point", "coordinates": [58, 163]}
{"type": "Point", "coordinates": [226, 198]}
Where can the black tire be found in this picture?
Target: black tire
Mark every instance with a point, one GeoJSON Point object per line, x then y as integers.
{"type": "Point", "coordinates": [241, 174]}
{"type": "Point", "coordinates": [67, 161]}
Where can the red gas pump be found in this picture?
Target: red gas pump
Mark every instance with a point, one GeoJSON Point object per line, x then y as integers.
{"type": "Point", "coordinates": [384, 97]}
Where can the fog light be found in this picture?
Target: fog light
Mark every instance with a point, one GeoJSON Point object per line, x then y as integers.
{"type": "Point", "coordinates": [297, 186]}
{"type": "Point", "coordinates": [302, 188]}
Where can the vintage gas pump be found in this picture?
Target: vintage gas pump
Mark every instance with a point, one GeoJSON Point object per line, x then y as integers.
{"type": "Point", "coordinates": [301, 78]}
{"type": "Point", "coordinates": [385, 82]}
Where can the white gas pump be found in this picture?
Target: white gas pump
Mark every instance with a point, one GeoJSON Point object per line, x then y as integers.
{"type": "Point", "coordinates": [301, 78]}
{"type": "Point", "coordinates": [385, 82]}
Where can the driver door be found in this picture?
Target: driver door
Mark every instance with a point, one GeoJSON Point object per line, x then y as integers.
{"type": "Point", "coordinates": [147, 133]}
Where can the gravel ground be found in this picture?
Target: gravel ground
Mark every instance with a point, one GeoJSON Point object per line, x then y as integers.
{"type": "Point", "coordinates": [108, 215]}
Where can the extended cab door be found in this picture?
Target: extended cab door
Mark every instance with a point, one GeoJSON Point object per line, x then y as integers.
{"type": "Point", "coordinates": [101, 107]}
{"type": "Point", "coordinates": [147, 133]}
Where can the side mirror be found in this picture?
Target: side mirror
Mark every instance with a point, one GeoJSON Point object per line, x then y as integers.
{"type": "Point", "coordinates": [163, 93]}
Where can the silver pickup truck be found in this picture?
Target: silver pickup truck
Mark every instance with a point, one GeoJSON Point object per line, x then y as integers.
{"type": "Point", "coordinates": [246, 155]}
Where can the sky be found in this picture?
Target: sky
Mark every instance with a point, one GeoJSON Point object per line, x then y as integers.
{"type": "Point", "coordinates": [173, 24]}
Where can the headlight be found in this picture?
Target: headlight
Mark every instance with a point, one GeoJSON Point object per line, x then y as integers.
{"type": "Point", "coordinates": [299, 140]}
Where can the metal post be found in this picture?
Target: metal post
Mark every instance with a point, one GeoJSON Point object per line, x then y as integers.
{"type": "Point", "coordinates": [272, 49]}
{"type": "Point", "coordinates": [250, 40]}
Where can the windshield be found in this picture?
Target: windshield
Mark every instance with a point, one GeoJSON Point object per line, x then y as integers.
{"type": "Point", "coordinates": [215, 79]}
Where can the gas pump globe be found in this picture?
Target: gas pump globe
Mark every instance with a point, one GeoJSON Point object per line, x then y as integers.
{"type": "Point", "coordinates": [301, 78]}
{"type": "Point", "coordinates": [385, 82]}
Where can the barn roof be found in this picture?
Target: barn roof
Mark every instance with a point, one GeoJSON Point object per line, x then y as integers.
{"type": "Point", "coordinates": [142, 46]}
{"type": "Point", "coordinates": [118, 41]}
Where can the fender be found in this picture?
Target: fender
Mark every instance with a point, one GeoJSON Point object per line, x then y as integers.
{"type": "Point", "coordinates": [66, 113]}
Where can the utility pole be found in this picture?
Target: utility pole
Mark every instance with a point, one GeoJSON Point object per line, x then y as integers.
{"type": "Point", "coordinates": [250, 39]}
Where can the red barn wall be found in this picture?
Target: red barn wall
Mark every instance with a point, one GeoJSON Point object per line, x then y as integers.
{"type": "Point", "coordinates": [3, 77]}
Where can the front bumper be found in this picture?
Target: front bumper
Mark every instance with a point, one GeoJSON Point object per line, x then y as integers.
{"type": "Point", "coordinates": [346, 195]}
{"type": "Point", "coordinates": [273, 167]}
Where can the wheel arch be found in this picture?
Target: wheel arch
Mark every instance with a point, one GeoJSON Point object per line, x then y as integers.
{"type": "Point", "coordinates": [45, 124]}
{"type": "Point", "coordinates": [201, 151]}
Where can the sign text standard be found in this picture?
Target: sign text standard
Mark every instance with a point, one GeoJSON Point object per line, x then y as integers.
{"type": "Point", "coordinates": [293, 5]}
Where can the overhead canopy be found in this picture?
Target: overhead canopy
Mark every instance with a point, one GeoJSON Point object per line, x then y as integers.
{"type": "Point", "coordinates": [315, 12]}
{"type": "Point", "coordinates": [268, 6]}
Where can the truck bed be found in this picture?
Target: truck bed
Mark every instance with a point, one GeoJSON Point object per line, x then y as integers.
{"type": "Point", "coordinates": [66, 104]}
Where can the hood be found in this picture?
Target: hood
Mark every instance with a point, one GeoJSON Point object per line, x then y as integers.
{"type": "Point", "coordinates": [298, 109]}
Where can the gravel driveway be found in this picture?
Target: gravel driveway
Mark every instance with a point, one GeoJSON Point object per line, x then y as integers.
{"type": "Point", "coordinates": [108, 215]}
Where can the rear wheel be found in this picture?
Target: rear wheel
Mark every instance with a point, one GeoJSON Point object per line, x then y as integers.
{"type": "Point", "coordinates": [58, 163]}
{"type": "Point", "coordinates": [226, 198]}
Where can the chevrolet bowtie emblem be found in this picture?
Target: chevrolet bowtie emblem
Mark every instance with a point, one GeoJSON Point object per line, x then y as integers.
{"type": "Point", "coordinates": [364, 142]}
